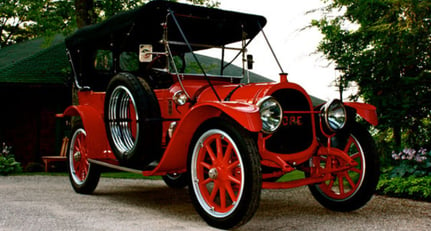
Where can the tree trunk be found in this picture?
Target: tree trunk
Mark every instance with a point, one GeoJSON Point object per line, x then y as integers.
{"type": "Point", "coordinates": [84, 12]}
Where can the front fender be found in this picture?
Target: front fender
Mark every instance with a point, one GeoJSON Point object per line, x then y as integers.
{"type": "Point", "coordinates": [245, 114]}
{"type": "Point", "coordinates": [175, 157]}
{"type": "Point", "coordinates": [366, 111]}
{"type": "Point", "coordinates": [92, 120]}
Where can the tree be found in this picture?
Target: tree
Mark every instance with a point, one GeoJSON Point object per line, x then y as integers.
{"type": "Point", "coordinates": [84, 12]}
{"type": "Point", "coordinates": [15, 20]}
{"type": "Point", "coordinates": [27, 19]}
{"type": "Point", "coordinates": [388, 57]}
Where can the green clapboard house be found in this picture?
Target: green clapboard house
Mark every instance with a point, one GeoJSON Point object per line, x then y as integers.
{"type": "Point", "coordinates": [33, 88]}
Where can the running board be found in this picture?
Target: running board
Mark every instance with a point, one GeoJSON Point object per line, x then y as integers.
{"type": "Point", "coordinates": [121, 168]}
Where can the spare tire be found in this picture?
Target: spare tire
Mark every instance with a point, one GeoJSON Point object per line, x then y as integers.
{"type": "Point", "coordinates": [132, 121]}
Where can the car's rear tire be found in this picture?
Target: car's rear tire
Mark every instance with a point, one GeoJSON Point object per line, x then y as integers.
{"type": "Point", "coordinates": [176, 180]}
{"type": "Point", "coordinates": [225, 175]}
{"type": "Point", "coordinates": [83, 175]}
{"type": "Point", "coordinates": [132, 120]}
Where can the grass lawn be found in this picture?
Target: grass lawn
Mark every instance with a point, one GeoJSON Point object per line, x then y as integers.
{"type": "Point", "coordinates": [295, 175]}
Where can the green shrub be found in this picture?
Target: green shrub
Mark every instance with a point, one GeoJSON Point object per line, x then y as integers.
{"type": "Point", "coordinates": [417, 188]}
{"type": "Point", "coordinates": [8, 164]}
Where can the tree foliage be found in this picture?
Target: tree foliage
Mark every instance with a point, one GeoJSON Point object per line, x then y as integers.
{"type": "Point", "coordinates": [27, 19]}
{"type": "Point", "coordinates": [388, 56]}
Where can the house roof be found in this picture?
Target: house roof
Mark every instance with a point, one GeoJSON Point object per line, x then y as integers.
{"type": "Point", "coordinates": [32, 62]}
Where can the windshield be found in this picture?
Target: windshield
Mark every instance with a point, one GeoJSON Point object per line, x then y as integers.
{"type": "Point", "coordinates": [189, 61]}
{"type": "Point", "coordinates": [210, 60]}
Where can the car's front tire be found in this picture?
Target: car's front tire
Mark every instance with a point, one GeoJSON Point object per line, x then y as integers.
{"type": "Point", "coordinates": [225, 175]}
{"type": "Point", "coordinates": [352, 188]}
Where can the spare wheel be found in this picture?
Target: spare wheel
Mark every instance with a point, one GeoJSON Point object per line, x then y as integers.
{"type": "Point", "coordinates": [132, 120]}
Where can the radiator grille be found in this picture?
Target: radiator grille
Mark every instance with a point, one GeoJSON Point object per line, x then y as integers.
{"type": "Point", "coordinates": [296, 131]}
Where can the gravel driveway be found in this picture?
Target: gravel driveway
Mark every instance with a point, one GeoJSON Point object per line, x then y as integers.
{"type": "Point", "coordinates": [49, 203]}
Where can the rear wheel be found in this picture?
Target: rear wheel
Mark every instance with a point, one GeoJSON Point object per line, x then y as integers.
{"type": "Point", "coordinates": [83, 175]}
{"type": "Point", "coordinates": [225, 173]}
{"type": "Point", "coordinates": [176, 180]}
{"type": "Point", "coordinates": [352, 188]}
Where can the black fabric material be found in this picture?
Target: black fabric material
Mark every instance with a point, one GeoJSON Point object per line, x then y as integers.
{"type": "Point", "coordinates": [127, 30]}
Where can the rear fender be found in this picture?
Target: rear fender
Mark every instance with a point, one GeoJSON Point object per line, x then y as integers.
{"type": "Point", "coordinates": [92, 120]}
{"type": "Point", "coordinates": [175, 157]}
{"type": "Point", "coordinates": [367, 111]}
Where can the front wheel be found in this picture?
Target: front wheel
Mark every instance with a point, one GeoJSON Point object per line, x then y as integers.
{"type": "Point", "coordinates": [225, 173]}
{"type": "Point", "coordinates": [352, 188]}
{"type": "Point", "coordinates": [83, 175]}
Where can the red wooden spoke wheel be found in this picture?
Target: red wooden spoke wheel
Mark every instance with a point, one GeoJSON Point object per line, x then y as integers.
{"type": "Point", "coordinates": [349, 188]}
{"type": "Point", "coordinates": [83, 175]}
{"type": "Point", "coordinates": [225, 175]}
{"type": "Point", "coordinates": [345, 183]}
{"type": "Point", "coordinates": [79, 157]}
{"type": "Point", "coordinates": [218, 172]}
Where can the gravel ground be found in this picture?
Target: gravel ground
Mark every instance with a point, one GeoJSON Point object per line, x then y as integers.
{"type": "Point", "coordinates": [49, 203]}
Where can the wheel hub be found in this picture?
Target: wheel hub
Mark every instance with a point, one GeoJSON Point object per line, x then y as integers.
{"type": "Point", "coordinates": [77, 156]}
{"type": "Point", "coordinates": [213, 173]}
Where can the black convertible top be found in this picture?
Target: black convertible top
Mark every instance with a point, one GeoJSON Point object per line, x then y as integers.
{"type": "Point", "coordinates": [125, 31]}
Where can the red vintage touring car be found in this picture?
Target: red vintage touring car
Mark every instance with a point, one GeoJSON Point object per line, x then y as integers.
{"type": "Point", "coordinates": [147, 104]}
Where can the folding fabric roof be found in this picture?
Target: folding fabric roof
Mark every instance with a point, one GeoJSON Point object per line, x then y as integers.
{"type": "Point", "coordinates": [201, 25]}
